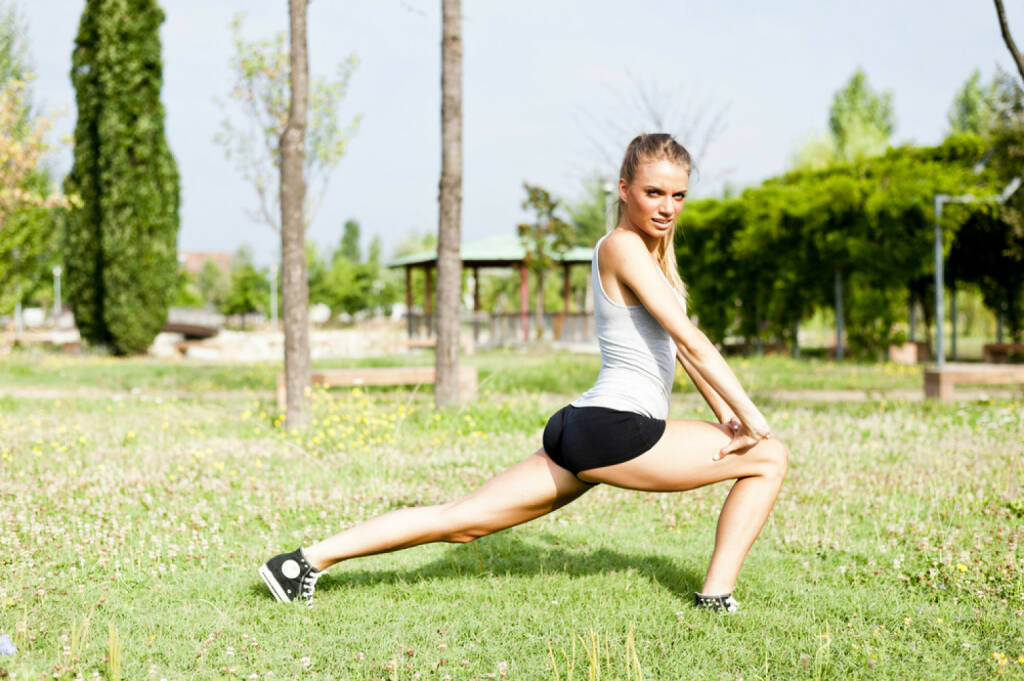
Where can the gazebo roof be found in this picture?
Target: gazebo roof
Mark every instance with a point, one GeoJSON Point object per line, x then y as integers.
{"type": "Point", "coordinates": [494, 251]}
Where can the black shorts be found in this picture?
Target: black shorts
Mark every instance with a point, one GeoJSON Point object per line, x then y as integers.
{"type": "Point", "coordinates": [581, 438]}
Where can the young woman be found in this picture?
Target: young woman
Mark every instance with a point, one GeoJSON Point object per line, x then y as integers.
{"type": "Point", "coordinates": [617, 432]}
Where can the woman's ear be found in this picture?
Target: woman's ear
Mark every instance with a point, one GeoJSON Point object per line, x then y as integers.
{"type": "Point", "coordinates": [623, 189]}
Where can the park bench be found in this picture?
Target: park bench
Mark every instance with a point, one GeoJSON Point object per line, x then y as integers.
{"type": "Point", "coordinates": [938, 383]}
{"type": "Point", "coordinates": [1001, 352]}
{"type": "Point", "coordinates": [351, 378]}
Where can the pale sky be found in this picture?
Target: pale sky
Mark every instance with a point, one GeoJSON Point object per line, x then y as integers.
{"type": "Point", "coordinates": [542, 81]}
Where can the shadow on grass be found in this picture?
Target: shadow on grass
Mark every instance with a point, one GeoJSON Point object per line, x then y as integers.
{"type": "Point", "coordinates": [506, 554]}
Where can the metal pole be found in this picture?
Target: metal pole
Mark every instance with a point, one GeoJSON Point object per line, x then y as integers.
{"type": "Point", "coordinates": [952, 319]}
{"type": "Point", "coordinates": [940, 358]}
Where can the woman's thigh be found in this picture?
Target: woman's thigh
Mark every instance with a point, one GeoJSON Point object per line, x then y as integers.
{"type": "Point", "coordinates": [684, 459]}
{"type": "Point", "coordinates": [529, 489]}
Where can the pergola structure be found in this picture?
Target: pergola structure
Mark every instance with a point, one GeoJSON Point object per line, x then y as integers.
{"type": "Point", "coordinates": [493, 251]}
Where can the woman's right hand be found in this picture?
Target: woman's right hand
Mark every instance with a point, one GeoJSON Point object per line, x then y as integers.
{"type": "Point", "coordinates": [742, 439]}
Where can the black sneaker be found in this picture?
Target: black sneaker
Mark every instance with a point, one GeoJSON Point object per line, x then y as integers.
{"type": "Point", "coordinates": [290, 576]}
{"type": "Point", "coordinates": [723, 603]}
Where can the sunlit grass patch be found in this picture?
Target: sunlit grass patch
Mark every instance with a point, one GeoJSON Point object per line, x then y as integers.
{"type": "Point", "coordinates": [131, 525]}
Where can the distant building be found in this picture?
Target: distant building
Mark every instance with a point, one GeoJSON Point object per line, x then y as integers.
{"type": "Point", "coordinates": [193, 261]}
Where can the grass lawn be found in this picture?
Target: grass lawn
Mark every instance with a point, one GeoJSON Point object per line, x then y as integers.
{"type": "Point", "coordinates": [131, 526]}
{"type": "Point", "coordinates": [506, 371]}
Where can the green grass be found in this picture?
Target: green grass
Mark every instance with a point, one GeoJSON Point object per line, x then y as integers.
{"type": "Point", "coordinates": [131, 526]}
{"type": "Point", "coordinates": [508, 371]}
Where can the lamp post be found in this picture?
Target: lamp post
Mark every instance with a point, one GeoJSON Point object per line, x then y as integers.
{"type": "Point", "coordinates": [611, 201]}
{"type": "Point", "coordinates": [940, 200]}
{"type": "Point", "coordinates": [56, 292]}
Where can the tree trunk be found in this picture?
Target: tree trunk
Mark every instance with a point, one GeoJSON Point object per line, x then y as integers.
{"type": "Point", "coordinates": [1008, 39]}
{"type": "Point", "coordinates": [449, 263]}
{"type": "Point", "coordinates": [295, 288]}
{"type": "Point", "coordinates": [839, 314]}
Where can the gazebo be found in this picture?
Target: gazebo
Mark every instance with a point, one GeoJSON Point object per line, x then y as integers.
{"type": "Point", "coordinates": [493, 251]}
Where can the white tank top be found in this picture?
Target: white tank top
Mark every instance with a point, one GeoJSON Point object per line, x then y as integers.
{"type": "Point", "coordinates": [638, 357]}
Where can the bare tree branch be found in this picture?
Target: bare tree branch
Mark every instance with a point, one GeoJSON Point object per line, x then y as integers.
{"type": "Point", "coordinates": [649, 107]}
{"type": "Point", "coordinates": [1008, 39]}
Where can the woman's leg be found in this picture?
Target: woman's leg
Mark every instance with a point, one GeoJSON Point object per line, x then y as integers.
{"type": "Point", "coordinates": [682, 460]}
{"type": "Point", "coordinates": [527, 490]}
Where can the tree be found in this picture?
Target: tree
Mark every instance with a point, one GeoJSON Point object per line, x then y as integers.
{"type": "Point", "coordinates": [186, 291]}
{"type": "Point", "coordinates": [1004, 28]}
{"type": "Point", "coordinates": [121, 250]}
{"type": "Point", "coordinates": [449, 233]}
{"type": "Point", "coordinates": [294, 284]}
{"type": "Point", "coordinates": [213, 284]}
{"type": "Point", "coordinates": [248, 290]}
{"type": "Point", "coordinates": [261, 91]}
{"type": "Point", "coordinates": [860, 123]}
{"type": "Point", "coordinates": [316, 275]}
{"type": "Point", "coordinates": [974, 108]}
{"type": "Point", "coordinates": [589, 213]}
{"type": "Point", "coordinates": [871, 223]}
{"type": "Point", "coordinates": [350, 241]}
{"type": "Point", "coordinates": [860, 119]}
{"type": "Point", "coordinates": [30, 210]}
{"type": "Point", "coordinates": [546, 237]}
{"type": "Point", "coordinates": [646, 106]}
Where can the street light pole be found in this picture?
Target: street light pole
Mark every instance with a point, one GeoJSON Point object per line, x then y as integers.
{"type": "Point", "coordinates": [940, 199]}
{"type": "Point", "coordinates": [940, 358]}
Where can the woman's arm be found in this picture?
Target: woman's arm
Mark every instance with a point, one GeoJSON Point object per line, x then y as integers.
{"type": "Point", "coordinates": [722, 411]}
{"type": "Point", "coordinates": [632, 264]}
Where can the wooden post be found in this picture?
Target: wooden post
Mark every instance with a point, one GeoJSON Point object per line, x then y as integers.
{"type": "Point", "coordinates": [565, 298]}
{"type": "Point", "coordinates": [524, 302]}
{"type": "Point", "coordinates": [408, 298]}
{"type": "Point", "coordinates": [476, 305]}
{"type": "Point", "coordinates": [428, 300]}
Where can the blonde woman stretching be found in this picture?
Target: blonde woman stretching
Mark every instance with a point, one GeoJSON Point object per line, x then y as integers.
{"type": "Point", "coordinates": [617, 432]}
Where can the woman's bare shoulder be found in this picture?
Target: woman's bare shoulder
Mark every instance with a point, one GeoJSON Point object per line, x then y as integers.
{"type": "Point", "coordinates": [621, 245]}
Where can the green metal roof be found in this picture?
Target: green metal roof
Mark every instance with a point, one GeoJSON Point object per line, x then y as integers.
{"type": "Point", "coordinates": [492, 251]}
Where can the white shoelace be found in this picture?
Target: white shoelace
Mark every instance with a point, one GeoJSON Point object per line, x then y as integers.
{"type": "Point", "coordinates": [308, 585]}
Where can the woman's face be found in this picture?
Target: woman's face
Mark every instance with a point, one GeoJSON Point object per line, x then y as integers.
{"type": "Point", "coordinates": [655, 197]}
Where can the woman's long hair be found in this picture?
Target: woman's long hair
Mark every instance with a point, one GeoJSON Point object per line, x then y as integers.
{"type": "Point", "coordinates": [655, 147]}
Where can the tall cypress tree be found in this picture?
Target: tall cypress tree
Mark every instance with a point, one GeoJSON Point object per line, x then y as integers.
{"type": "Point", "coordinates": [122, 236]}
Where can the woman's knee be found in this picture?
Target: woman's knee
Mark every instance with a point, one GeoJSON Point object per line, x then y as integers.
{"type": "Point", "coordinates": [773, 457]}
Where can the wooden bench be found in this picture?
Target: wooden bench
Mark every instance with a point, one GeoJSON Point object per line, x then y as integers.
{"type": "Point", "coordinates": [938, 383]}
{"type": "Point", "coordinates": [336, 378]}
{"type": "Point", "coordinates": [1001, 352]}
